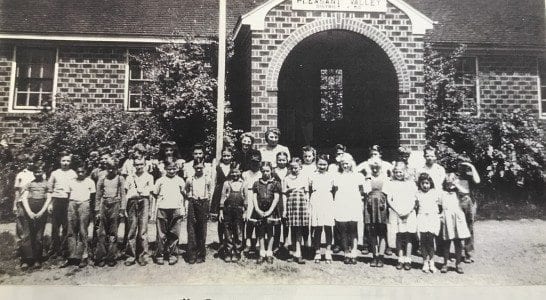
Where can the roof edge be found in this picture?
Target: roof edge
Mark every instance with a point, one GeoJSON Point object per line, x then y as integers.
{"type": "Point", "coordinates": [101, 38]}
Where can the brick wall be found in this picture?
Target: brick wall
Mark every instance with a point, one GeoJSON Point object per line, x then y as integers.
{"type": "Point", "coordinates": [87, 75]}
{"type": "Point", "coordinates": [281, 24]}
{"type": "Point", "coordinates": [508, 83]}
{"type": "Point", "coordinates": [92, 76]}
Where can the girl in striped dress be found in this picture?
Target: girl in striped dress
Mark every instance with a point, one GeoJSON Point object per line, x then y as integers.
{"type": "Point", "coordinates": [296, 190]}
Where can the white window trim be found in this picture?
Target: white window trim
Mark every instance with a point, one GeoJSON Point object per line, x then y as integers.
{"type": "Point", "coordinates": [478, 90]}
{"type": "Point", "coordinates": [541, 112]}
{"type": "Point", "coordinates": [126, 87]}
{"type": "Point", "coordinates": [13, 75]}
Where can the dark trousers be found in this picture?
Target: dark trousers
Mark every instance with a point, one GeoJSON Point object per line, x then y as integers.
{"type": "Point", "coordinates": [108, 231]}
{"type": "Point", "coordinates": [20, 223]}
{"type": "Point", "coordinates": [317, 236]}
{"type": "Point", "coordinates": [427, 244]}
{"type": "Point", "coordinates": [32, 232]}
{"type": "Point", "coordinates": [137, 224]}
{"type": "Point", "coordinates": [168, 228]}
{"type": "Point", "coordinates": [197, 227]}
{"type": "Point", "coordinates": [233, 229]}
{"type": "Point", "coordinates": [469, 209]}
{"type": "Point", "coordinates": [337, 236]}
{"type": "Point", "coordinates": [59, 218]}
{"type": "Point", "coordinates": [95, 230]}
{"type": "Point", "coordinates": [264, 229]}
{"type": "Point", "coordinates": [446, 244]}
{"type": "Point", "coordinates": [348, 231]}
{"type": "Point", "coordinates": [78, 224]}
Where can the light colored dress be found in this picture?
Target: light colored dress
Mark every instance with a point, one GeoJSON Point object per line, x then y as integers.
{"type": "Point", "coordinates": [270, 154]}
{"type": "Point", "coordinates": [428, 218]}
{"type": "Point", "coordinates": [401, 199]}
{"type": "Point", "coordinates": [454, 222]}
{"type": "Point", "coordinates": [348, 200]}
{"type": "Point", "coordinates": [322, 200]}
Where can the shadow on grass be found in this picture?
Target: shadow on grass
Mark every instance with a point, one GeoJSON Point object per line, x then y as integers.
{"type": "Point", "coordinates": [503, 210]}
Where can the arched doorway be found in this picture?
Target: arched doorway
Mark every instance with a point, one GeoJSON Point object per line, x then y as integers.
{"type": "Point", "coordinates": [338, 86]}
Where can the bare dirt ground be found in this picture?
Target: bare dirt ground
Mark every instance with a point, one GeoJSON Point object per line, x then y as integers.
{"type": "Point", "coordinates": [508, 253]}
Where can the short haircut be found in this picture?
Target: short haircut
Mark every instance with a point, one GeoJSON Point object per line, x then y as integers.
{"type": "Point", "coordinates": [248, 135]}
{"type": "Point", "coordinates": [171, 165]}
{"type": "Point", "coordinates": [281, 153]}
{"type": "Point", "coordinates": [64, 153]}
{"type": "Point", "coordinates": [430, 148]}
{"type": "Point", "coordinates": [375, 148]}
{"type": "Point", "coordinates": [340, 147]}
{"type": "Point", "coordinates": [274, 130]}
{"type": "Point", "coordinates": [296, 160]}
{"type": "Point", "coordinates": [324, 157]}
{"type": "Point", "coordinates": [266, 164]}
{"type": "Point", "coordinates": [309, 149]}
{"type": "Point", "coordinates": [198, 146]}
{"type": "Point", "coordinates": [37, 166]}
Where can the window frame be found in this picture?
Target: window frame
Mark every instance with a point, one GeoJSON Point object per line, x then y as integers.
{"type": "Point", "coordinates": [541, 82]}
{"type": "Point", "coordinates": [127, 87]}
{"type": "Point", "coordinates": [476, 88]}
{"type": "Point", "coordinates": [12, 108]}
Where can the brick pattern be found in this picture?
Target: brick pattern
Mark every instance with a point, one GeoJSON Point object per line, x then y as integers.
{"type": "Point", "coordinates": [508, 83]}
{"type": "Point", "coordinates": [93, 77]}
{"type": "Point", "coordinates": [391, 30]}
{"type": "Point", "coordinates": [88, 76]}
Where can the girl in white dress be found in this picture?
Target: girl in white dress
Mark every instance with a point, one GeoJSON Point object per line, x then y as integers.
{"type": "Point", "coordinates": [322, 207]}
{"type": "Point", "coordinates": [349, 187]}
{"type": "Point", "coordinates": [402, 218]}
{"type": "Point", "coordinates": [428, 219]}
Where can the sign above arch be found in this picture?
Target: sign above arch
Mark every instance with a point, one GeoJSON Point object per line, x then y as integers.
{"type": "Point", "coordinates": [256, 18]}
{"type": "Point", "coordinates": [341, 5]}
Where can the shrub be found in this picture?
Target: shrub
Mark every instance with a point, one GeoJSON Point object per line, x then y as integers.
{"type": "Point", "coordinates": [506, 149]}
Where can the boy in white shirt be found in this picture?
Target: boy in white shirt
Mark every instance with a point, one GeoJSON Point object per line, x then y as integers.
{"type": "Point", "coordinates": [80, 191]}
{"type": "Point", "coordinates": [171, 208]}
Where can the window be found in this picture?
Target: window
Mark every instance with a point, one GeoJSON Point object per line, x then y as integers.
{"type": "Point", "coordinates": [542, 80]}
{"type": "Point", "coordinates": [331, 95]}
{"type": "Point", "coordinates": [138, 78]}
{"type": "Point", "coordinates": [466, 79]}
{"type": "Point", "coordinates": [34, 78]}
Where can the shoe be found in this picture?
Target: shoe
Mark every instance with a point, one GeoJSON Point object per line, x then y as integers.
{"type": "Point", "coordinates": [192, 261]}
{"type": "Point", "coordinates": [365, 251]}
{"type": "Point", "coordinates": [37, 265]}
{"type": "Point", "coordinates": [426, 267]}
{"type": "Point", "coordinates": [380, 263]}
{"type": "Point", "coordinates": [399, 266]}
{"type": "Point", "coordinates": [112, 263]}
{"type": "Point", "coordinates": [228, 258]}
{"type": "Point", "coordinates": [459, 270]}
{"type": "Point", "coordinates": [260, 260]}
{"type": "Point", "coordinates": [317, 258]}
{"type": "Point", "coordinates": [336, 249]}
{"type": "Point", "coordinates": [270, 260]}
{"type": "Point", "coordinates": [443, 269]}
{"type": "Point", "coordinates": [200, 260]}
{"type": "Point", "coordinates": [373, 263]}
{"type": "Point", "coordinates": [353, 261]}
{"type": "Point", "coordinates": [100, 264]}
{"type": "Point", "coordinates": [328, 257]}
{"type": "Point", "coordinates": [388, 252]}
{"type": "Point", "coordinates": [142, 261]}
{"type": "Point", "coordinates": [52, 255]}
{"type": "Point", "coordinates": [236, 258]}
{"type": "Point", "coordinates": [173, 260]}
{"type": "Point", "coordinates": [347, 260]}
{"type": "Point", "coordinates": [468, 260]}
{"type": "Point", "coordinates": [432, 268]}
{"type": "Point", "coordinates": [24, 266]}
{"type": "Point", "coordinates": [407, 266]}
{"type": "Point", "coordinates": [159, 261]}
{"type": "Point", "coordinates": [130, 261]}
{"type": "Point", "coordinates": [83, 263]}
{"type": "Point", "coordinates": [300, 260]}
{"type": "Point", "coordinates": [65, 264]}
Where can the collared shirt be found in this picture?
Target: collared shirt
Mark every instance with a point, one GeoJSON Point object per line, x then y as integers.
{"type": "Point", "coordinates": [199, 187]}
{"type": "Point", "coordinates": [189, 171]}
{"type": "Point", "coordinates": [138, 186]}
{"type": "Point", "coordinates": [22, 179]}
{"type": "Point", "coordinates": [169, 192]}
{"type": "Point", "coordinates": [81, 190]}
{"type": "Point", "coordinates": [59, 181]}
{"type": "Point", "coordinates": [436, 172]}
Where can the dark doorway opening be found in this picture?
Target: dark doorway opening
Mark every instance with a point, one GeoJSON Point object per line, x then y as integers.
{"type": "Point", "coordinates": [338, 87]}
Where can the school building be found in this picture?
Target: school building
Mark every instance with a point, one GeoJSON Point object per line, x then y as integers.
{"type": "Point", "coordinates": [323, 71]}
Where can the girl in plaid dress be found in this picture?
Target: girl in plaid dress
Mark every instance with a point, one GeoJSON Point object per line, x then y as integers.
{"type": "Point", "coordinates": [296, 189]}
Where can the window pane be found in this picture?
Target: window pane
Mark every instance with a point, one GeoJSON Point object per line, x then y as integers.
{"type": "Point", "coordinates": [34, 99]}
{"type": "Point", "coordinates": [134, 70]}
{"type": "Point", "coordinates": [21, 99]}
{"type": "Point", "coordinates": [47, 86]}
{"type": "Point", "coordinates": [134, 102]}
{"type": "Point", "coordinates": [23, 84]}
{"type": "Point", "coordinates": [35, 86]}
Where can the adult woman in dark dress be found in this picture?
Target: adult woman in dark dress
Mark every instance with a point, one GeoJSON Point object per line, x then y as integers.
{"type": "Point", "coordinates": [245, 150]}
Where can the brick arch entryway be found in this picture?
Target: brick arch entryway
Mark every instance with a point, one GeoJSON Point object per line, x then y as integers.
{"type": "Point", "coordinates": [359, 27]}
{"type": "Point", "coordinates": [338, 87]}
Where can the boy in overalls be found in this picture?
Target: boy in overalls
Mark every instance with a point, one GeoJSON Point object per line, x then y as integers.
{"type": "Point", "coordinates": [232, 208]}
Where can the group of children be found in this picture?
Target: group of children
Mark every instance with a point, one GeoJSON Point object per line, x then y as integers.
{"type": "Point", "coordinates": [258, 196]}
